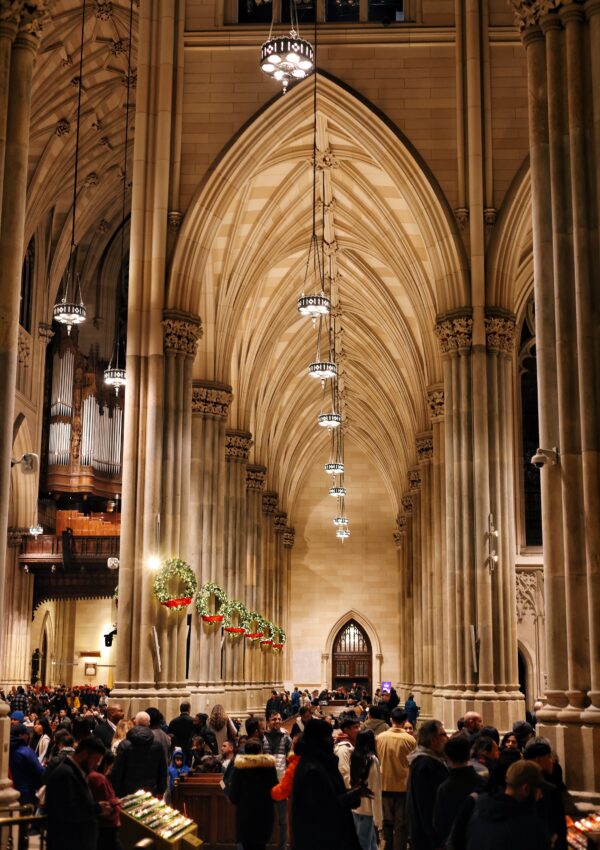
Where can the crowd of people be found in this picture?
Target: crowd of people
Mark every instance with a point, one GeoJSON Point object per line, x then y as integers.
{"type": "Point", "coordinates": [345, 781]}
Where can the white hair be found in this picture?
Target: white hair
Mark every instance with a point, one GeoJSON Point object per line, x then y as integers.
{"type": "Point", "coordinates": [142, 718]}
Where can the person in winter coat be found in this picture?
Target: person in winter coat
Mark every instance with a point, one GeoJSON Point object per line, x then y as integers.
{"type": "Point", "coordinates": [102, 790]}
{"type": "Point", "coordinates": [375, 721]}
{"type": "Point", "coordinates": [277, 742]}
{"type": "Point", "coordinates": [344, 745]}
{"type": "Point", "coordinates": [411, 709]}
{"type": "Point", "coordinates": [177, 768]}
{"type": "Point", "coordinates": [41, 741]}
{"type": "Point", "coordinates": [25, 768]}
{"type": "Point", "coordinates": [393, 749]}
{"type": "Point", "coordinates": [321, 805]}
{"type": "Point", "coordinates": [182, 729]}
{"type": "Point", "coordinates": [254, 776]}
{"type": "Point", "coordinates": [141, 761]}
{"type": "Point", "coordinates": [551, 807]}
{"type": "Point", "coordinates": [428, 770]}
{"type": "Point", "coordinates": [462, 781]}
{"type": "Point", "coordinates": [366, 770]}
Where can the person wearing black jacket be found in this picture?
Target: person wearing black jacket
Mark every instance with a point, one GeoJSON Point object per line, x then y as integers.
{"type": "Point", "coordinates": [106, 730]}
{"type": "Point", "coordinates": [428, 770]}
{"type": "Point", "coordinates": [321, 806]}
{"type": "Point", "coordinates": [551, 807]}
{"type": "Point", "coordinates": [70, 807]}
{"type": "Point", "coordinates": [140, 762]}
{"type": "Point", "coordinates": [462, 780]}
{"type": "Point", "coordinates": [183, 729]}
{"type": "Point", "coordinates": [253, 777]}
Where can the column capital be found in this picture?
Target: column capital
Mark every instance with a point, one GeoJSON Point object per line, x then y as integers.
{"type": "Point", "coordinates": [256, 477]}
{"type": "Point", "coordinates": [45, 332]}
{"type": "Point", "coordinates": [174, 219]}
{"type": "Point", "coordinates": [398, 539]}
{"type": "Point", "coordinates": [414, 478]}
{"type": "Point", "coordinates": [529, 12]}
{"type": "Point", "coordinates": [14, 536]}
{"type": "Point", "coordinates": [289, 537]}
{"type": "Point", "coordinates": [435, 401]}
{"type": "Point", "coordinates": [280, 522]}
{"type": "Point", "coordinates": [592, 7]}
{"type": "Point", "coordinates": [269, 502]}
{"type": "Point", "coordinates": [424, 446]}
{"type": "Point", "coordinates": [181, 332]}
{"type": "Point", "coordinates": [455, 331]}
{"type": "Point", "coordinates": [32, 20]}
{"type": "Point", "coordinates": [211, 399]}
{"type": "Point", "coordinates": [500, 330]}
{"type": "Point", "coordinates": [10, 15]}
{"type": "Point", "coordinates": [407, 504]}
{"type": "Point", "coordinates": [237, 445]}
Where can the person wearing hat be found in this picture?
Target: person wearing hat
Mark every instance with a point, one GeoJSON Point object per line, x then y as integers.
{"type": "Point", "coordinates": [17, 717]}
{"type": "Point", "coordinates": [25, 768]}
{"type": "Point", "coordinates": [551, 807]}
{"type": "Point", "coordinates": [524, 732]}
{"type": "Point", "coordinates": [507, 820]}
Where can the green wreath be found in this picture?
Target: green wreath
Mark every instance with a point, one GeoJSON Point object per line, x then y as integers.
{"type": "Point", "coordinates": [232, 607]}
{"type": "Point", "coordinates": [278, 636]}
{"type": "Point", "coordinates": [175, 568]}
{"type": "Point", "coordinates": [254, 625]}
{"type": "Point", "coordinates": [203, 597]}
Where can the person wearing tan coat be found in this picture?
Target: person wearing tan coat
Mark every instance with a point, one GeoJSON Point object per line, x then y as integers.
{"type": "Point", "coordinates": [393, 749]}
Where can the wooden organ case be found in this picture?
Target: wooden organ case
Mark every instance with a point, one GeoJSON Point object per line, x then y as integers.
{"type": "Point", "coordinates": [85, 426]}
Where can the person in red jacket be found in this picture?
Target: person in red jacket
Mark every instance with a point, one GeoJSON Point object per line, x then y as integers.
{"type": "Point", "coordinates": [101, 788]}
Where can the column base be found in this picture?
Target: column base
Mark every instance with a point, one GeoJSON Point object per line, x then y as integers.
{"type": "Point", "coordinates": [497, 709]}
{"type": "Point", "coordinates": [9, 796]}
{"type": "Point", "coordinates": [205, 695]}
{"type": "Point", "coordinates": [136, 698]}
{"type": "Point", "coordinates": [578, 748]}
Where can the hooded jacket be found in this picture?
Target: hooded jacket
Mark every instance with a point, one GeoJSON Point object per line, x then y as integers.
{"type": "Point", "coordinates": [500, 821]}
{"type": "Point", "coordinates": [376, 725]}
{"type": "Point", "coordinates": [140, 763]}
{"type": "Point", "coordinates": [250, 791]}
{"type": "Point", "coordinates": [25, 769]}
{"type": "Point", "coordinates": [174, 771]}
{"type": "Point", "coordinates": [427, 772]}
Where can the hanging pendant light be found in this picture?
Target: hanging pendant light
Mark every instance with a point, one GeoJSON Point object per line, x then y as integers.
{"type": "Point", "coordinates": [70, 310]}
{"type": "Point", "coordinates": [116, 376]}
{"type": "Point", "coordinates": [334, 468]}
{"type": "Point", "coordinates": [322, 369]}
{"type": "Point", "coordinates": [287, 58]}
{"type": "Point", "coordinates": [340, 520]}
{"type": "Point", "coordinates": [343, 533]}
{"type": "Point", "coordinates": [337, 491]}
{"type": "Point", "coordinates": [329, 420]}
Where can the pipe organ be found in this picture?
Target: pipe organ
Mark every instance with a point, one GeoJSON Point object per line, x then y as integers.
{"type": "Point", "coordinates": [85, 434]}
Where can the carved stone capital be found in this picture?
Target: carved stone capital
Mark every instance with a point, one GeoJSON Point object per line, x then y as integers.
{"type": "Point", "coordinates": [280, 522]}
{"type": "Point", "coordinates": [237, 445]}
{"type": "Point", "coordinates": [401, 523]}
{"type": "Point", "coordinates": [455, 332]}
{"type": "Point", "coordinates": [24, 348]}
{"type": "Point", "coordinates": [63, 127]}
{"type": "Point", "coordinates": [269, 502]}
{"type": "Point", "coordinates": [174, 219]}
{"type": "Point", "coordinates": [529, 12]}
{"type": "Point", "coordinates": [489, 216]}
{"type": "Point", "coordinates": [398, 539]}
{"type": "Point", "coordinates": [14, 536]}
{"type": "Point", "coordinates": [407, 504]}
{"type": "Point", "coordinates": [500, 331]}
{"type": "Point", "coordinates": [256, 477]}
{"type": "Point", "coordinates": [45, 332]}
{"type": "Point", "coordinates": [435, 401]}
{"type": "Point", "coordinates": [424, 447]}
{"type": "Point", "coordinates": [211, 399]}
{"type": "Point", "coordinates": [326, 160]}
{"type": "Point", "coordinates": [462, 217]}
{"type": "Point", "coordinates": [34, 17]}
{"type": "Point", "coordinates": [414, 479]}
{"type": "Point", "coordinates": [289, 537]}
{"type": "Point", "coordinates": [10, 15]}
{"type": "Point", "coordinates": [91, 180]}
{"type": "Point", "coordinates": [103, 10]}
{"type": "Point", "coordinates": [181, 332]}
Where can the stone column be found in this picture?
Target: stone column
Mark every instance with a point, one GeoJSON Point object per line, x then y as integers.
{"type": "Point", "coordinates": [266, 580]}
{"type": "Point", "coordinates": [16, 650]}
{"type": "Point", "coordinates": [256, 476]}
{"type": "Point", "coordinates": [405, 525]}
{"type": "Point", "coordinates": [424, 444]}
{"type": "Point", "coordinates": [10, 13]}
{"type": "Point", "coordinates": [16, 120]}
{"type": "Point", "coordinates": [281, 560]}
{"type": "Point", "coordinates": [237, 447]}
{"type": "Point", "coordinates": [438, 601]}
{"type": "Point", "coordinates": [416, 532]}
{"type": "Point", "coordinates": [404, 679]}
{"type": "Point", "coordinates": [210, 408]}
{"type": "Point", "coordinates": [289, 538]}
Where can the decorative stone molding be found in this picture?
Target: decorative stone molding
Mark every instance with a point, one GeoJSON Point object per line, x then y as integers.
{"type": "Point", "coordinates": [237, 445]}
{"type": "Point", "coordinates": [174, 219]}
{"type": "Point", "coordinates": [489, 216]}
{"type": "Point", "coordinates": [280, 523]}
{"type": "Point", "coordinates": [414, 479]}
{"type": "Point", "coordinates": [45, 332]}
{"type": "Point", "coordinates": [330, 249]}
{"type": "Point", "coordinates": [34, 16]}
{"type": "Point", "coordinates": [326, 160]}
{"type": "Point", "coordinates": [103, 226]}
{"type": "Point", "coordinates": [500, 331]}
{"type": "Point", "coordinates": [10, 11]}
{"type": "Point", "coordinates": [424, 447]}
{"type": "Point", "coordinates": [129, 80]}
{"type": "Point", "coordinates": [462, 217]}
{"type": "Point", "coordinates": [529, 594]}
{"type": "Point", "coordinates": [256, 477]}
{"type": "Point", "coordinates": [63, 127]}
{"type": "Point", "coordinates": [118, 47]}
{"type": "Point", "coordinates": [92, 180]}
{"type": "Point", "coordinates": [289, 537]}
{"type": "Point", "coordinates": [435, 401]}
{"type": "Point", "coordinates": [398, 539]}
{"type": "Point", "coordinates": [181, 332]}
{"type": "Point", "coordinates": [14, 536]}
{"type": "Point", "coordinates": [529, 12]}
{"type": "Point", "coordinates": [407, 504]}
{"type": "Point", "coordinates": [103, 10]}
{"type": "Point", "coordinates": [24, 348]}
{"type": "Point", "coordinates": [211, 399]}
{"type": "Point", "coordinates": [105, 142]}
{"type": "Point", "coordinates": [455, 332]}
{"type": "Point", "coordinates": [401, 522]}
{"type": "Point", "coordinates": [269, 502]}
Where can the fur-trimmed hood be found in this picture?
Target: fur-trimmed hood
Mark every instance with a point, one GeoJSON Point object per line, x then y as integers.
{"type": "Point", "coordinates": [244, 762]}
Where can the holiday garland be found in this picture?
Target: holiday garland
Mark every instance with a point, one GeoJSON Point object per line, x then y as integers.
{"type": "Point", "coordinates": [221, 601]}
{"type": "Point", "coordinates": [175, 568]}
{"type": "Point", "coordinates": [234, 606]}
{"type": "Point", "coordinates": [278, 636]}
{"type": "Point", "coordinates": [253, 625]}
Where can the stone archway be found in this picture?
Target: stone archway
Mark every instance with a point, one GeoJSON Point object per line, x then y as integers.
{"type": "Point", "coordinates": [367, 627]}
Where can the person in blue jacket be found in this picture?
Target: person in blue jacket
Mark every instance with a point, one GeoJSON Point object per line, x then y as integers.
{"type": "Point", "coordinates": [177, 767]}
{"type": "Point", "coordinates": [25, 768]}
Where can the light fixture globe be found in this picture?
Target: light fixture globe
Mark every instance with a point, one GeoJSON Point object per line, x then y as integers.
{"type": "Point", "coordinates": [322, 370]}
{"type": "Point", "coordinates": [287, 58]}
{"type": "Point", "coordinates": [340, 520]}
{"type": "Point", "coordinates": [68, 313]}
{"type": "Point", "coordinates": [343, 533]}
{"type": "Point", "coordinates": [334, 468]}
{"type": "Point", "coordinates": [337, 491]}
{"type": "Point", "coordinates": [330, 420]}
{"type": "Point", "coordinates": [36, 530]}
{"type": "Point", "coordinates": [314, 305]}
{"type": "Point", "coordinates": [115, 377]}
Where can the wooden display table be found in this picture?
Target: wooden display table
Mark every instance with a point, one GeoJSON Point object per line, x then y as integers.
{"type": "Point", "coordinates": [132, 830]}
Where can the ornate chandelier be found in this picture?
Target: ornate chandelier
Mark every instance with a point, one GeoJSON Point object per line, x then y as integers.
{"type": "Point", "coordinates": [69, 309]}
{"type": "Point", "coordinates": [330, 420]}
{"type": "Point", "coordinates": [287, 58]}
{"type": "Point", "coordinates": [334, 468]}
{"type": "Point", "coordinates": [337, 491]}
{"type": "Point", "coordinates": [343, 533]}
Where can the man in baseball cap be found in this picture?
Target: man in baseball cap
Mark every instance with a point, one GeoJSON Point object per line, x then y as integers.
{"type": "Point", "coordinates": [551, 807]}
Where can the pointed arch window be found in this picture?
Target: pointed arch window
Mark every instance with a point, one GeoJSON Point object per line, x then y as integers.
{"type": "Point", "coordinates": [352, 657]}
{"type": "Point", "coordinates": [531, 498]}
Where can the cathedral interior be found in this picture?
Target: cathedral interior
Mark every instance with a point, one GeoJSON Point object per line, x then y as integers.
{"type": "Point", "coordinates": [307, 354]}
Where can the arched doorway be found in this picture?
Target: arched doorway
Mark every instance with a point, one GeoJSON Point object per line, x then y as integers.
{"type": "Point", "coordinates": [352, 658]}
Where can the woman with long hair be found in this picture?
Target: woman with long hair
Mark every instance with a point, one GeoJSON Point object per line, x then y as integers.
{"type": "Point", "coordinates": [365, 771]}
{"type": "Point", "coordinates": [123, 727]}
{"type": "Point", "coordinates": [221, 725]}
{"type": "Point", "coordinates": [41, 741]}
